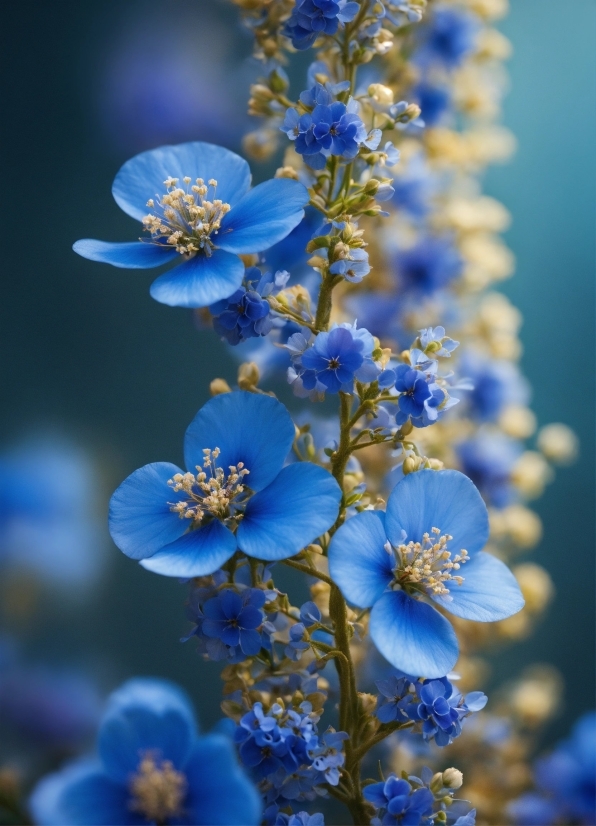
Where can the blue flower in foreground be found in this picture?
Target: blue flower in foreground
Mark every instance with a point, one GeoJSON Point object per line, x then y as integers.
{"type": "Point", "coordinates": [399, 803]}
{"type": "Point", "coordinates": [312, 18]}
{"type": "Point", "coordinates": [152, 768]}
{"type": "Point", "coordinates": [399, 560]}
{"type": "Point", "coordinates": [236, 495]}
{"type": "Point", "coordinates": [205, 219]}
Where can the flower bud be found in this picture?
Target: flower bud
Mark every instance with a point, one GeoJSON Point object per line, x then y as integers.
{"type": "Point", "coordinates": [558, 443]}
{"type": "Point", "coordinates": [286, 172]}
{"type": "Point", "coordinates": [381, 94]}
{"type": "Point", "coordinates": [248, 375]}
{"type": "Point", "coordinates": [219, 386]}
{"type": "Point", "coordinates": [453, 779]}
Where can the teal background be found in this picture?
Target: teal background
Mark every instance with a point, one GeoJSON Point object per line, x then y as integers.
{"type": "Point", "coordinates": [84, 346]}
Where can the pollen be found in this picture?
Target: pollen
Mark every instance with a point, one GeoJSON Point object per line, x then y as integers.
{"type": "Point", "coordinates": [209, 491]}
{"type": "Point", "coordinates": [157, 790]}
{"type": "Point", "coordinates": [186, 219]}
{"type": "Point", "coordinates": [427, 566]}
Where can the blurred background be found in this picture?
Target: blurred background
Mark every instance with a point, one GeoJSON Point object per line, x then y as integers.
{"type": "Point", "coordinates": [98, 379]}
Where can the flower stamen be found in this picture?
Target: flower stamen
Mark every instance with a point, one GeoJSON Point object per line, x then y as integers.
{"type": "Point", "coordinates": [186, 218]}
{"type": "Point", "coordinates": [428, 565]}
{"type": "Point", "coordinates": [157, 790]}
{"type": "Point", "coordinates": [210, 491]}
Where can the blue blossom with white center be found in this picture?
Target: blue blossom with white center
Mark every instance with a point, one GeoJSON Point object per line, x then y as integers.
{"type": "Point", "coordinates": [399, 562]}
{"type": "Point", "coordinates": [430, 265]}
{"type": "Point", "coordinates": [205, 219]}
{"type": "Point", "coordinates": [312, 18]}
{"type": "Point", "coordinates": [433, 341]}
{"type": "Point", "coordinates": [354, 267]}
{"type": "Point", "coordinates": [238, 495]}
{"type": "Point", "coordinates": [398, 803]}
{"type": "Point", "coordinates": [152, 767]}
{"type": "Point", "coordinates": [446, 39]}
{"type": "Point", "coordinates": [333, 361]}
{"type": "Point", "coordinates": [246, 313]}
{"type": "Point", "coordinates": [332, 128]}
{"type": "Point", "coordinates": [565, 782]}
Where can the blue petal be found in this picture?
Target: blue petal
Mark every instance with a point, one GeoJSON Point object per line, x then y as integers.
{"type": "Point", "coordinates": [143, 176]}
{"type": "Point", "coordinates": [81, 795]}
{"type": "Point", "coordinates": [140, 518]}
{"type": "Point", "coordinates": [488, 593]}
{"type": "Point", "coordinates": [296, 508]}
{"type": "Point", "coordinates": [358, 562]}
{"type": "Point", "coordinates": [247, 427]}
{"type": "Point", "coordinates": [199, 281]}
{"type": "Point", "coordinates": [412, 636]}
{"type": "Point", "coordinates": [197, 553]}
{"type": "Point", "coordinates": [219, 792]}
{"type": "Point", "coordinates": [444, 499]}
{"type": "Point", "coordinates": [263, 217]}
{"type": "Point", "coordinates": [145, 715]}
{"type": "Point", "coordinates": [132, 255]}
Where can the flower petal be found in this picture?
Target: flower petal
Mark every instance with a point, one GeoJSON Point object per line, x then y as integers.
{"type": "Point", "coordinates": [246, 427]}
{"type": "Point", "coordinates": [143, 176]}
{"type": "Point", "coordinates": [145, 715]}
{"type": "Point", "coordinates": [297, 507]}
{"type": "Point", "coordinates": [219, 793]}
{"type": "Point", "coordinates": [131, 255]}
{"type": "Point", "coordinates": [81, 795]}
{"type": "Point", "coordinates": [197, 553]}
{"type": "Point", "coordinates": [140, 519]}
{"type": "Point", "coordinates": [358, 561]}
{"type": "Point", "coordinates": [444, 499]}
{"type": "Point", "coordinates": [263, 217]}
{"type": "Point", "coordinates": [413, 636]}
{"type": "Point", "coordinates": [488, 593]}
{"type": "Point", "coordinates": [200, 280]}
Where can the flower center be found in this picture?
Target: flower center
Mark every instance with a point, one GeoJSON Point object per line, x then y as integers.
{"type": "Point", "coordinates": [427, 566]}
{"type": "Point", "coordinates": [333, 364]}
{"type": "Point", "coordinates": [158, 790]}
{"type": "Point", "coordinates": [185, 218]}
{"type": "Point", "coordinates": [210, 491]}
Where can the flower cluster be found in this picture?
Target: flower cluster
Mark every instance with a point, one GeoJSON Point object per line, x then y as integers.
{"type": "Point", "coordinates": [389, 549]}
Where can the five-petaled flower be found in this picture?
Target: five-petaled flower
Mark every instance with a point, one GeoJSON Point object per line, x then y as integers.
{"type": "Point", "coordinates": [153, 767]}
{"type": "Point", "coordinates": [205, 219]}
{"type": "Point", "coordinates": [237, 494]}
{"type": "Point", "coordinates": [396, 561]}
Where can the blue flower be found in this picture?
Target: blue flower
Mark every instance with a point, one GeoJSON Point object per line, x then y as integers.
{"type": "Point", "coordinates": [246, 313]}
{"type": "Point", "coordinates": [565, 780]}
{"type": "Point", "coordinates": [203, 224]}
{"type": "Point", "coordinates": [333, 128]}
{"type": "Point", "coordinates": [298, 642]}
{"type": "Point", "coordinates": [434, 342]}
{"type": "Point", "coordinates": [312, 18]}
{"type": "Point", "coordinates": [394, 690]}
{"type": "Point", "coordinates": [354, 267]}
{"type": "Point", "coordinates": [429, 265]}
{"type": "Point", "coordinates": [488, 459]}
{"type": "Point", "coordinates": [152, 767]}
{"type": "Point", "coordinates": [495, 384]}
{"type": "Point", "coordinates": [335, 359]}
{"type": "Point", "coordinates": [234, 620]}
{"type": "Point", "coordinates": [398, 803]}
{"type": "Point", "coordinates": [447, 38]}
{"type": "Point", "coordinates": [399, 560]}
{"type": "Point", "coordinates": [238, 495]}
{"type": "Point", "coordinates": [433, 100]}
{"type": "Point", "coordinates": [441, 710]}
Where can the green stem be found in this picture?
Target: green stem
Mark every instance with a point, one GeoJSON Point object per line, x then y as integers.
{"type": "Point", "coordinates": [308, 570]}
